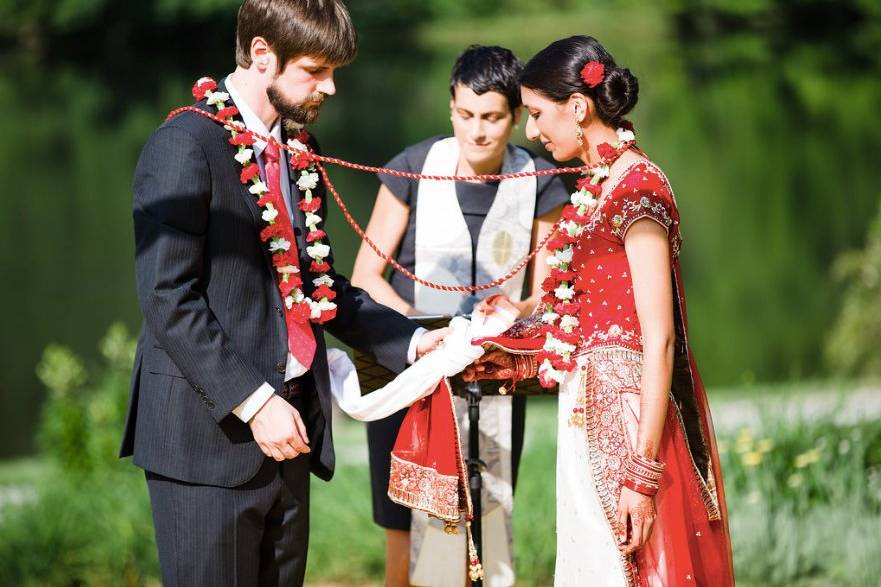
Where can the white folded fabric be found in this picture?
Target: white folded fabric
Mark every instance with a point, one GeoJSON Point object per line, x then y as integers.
{"type": "Point", "coordinates": [422, 377]}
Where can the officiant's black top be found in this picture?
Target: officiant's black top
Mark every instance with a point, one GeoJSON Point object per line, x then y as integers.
{"type": "Point", "coordinates": [475, 200]}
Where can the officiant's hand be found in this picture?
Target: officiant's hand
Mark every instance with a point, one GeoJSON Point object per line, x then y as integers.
{"type": "Point", "coordinates": [430, 340]}
{"type": "Point", "coordinates": [636, 518]}
{"type": "Point", "coordinates": [279, 430]}
{"type": "Point", "coordinates": [494, 364]}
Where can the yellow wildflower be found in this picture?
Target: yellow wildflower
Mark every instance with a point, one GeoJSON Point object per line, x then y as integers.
{"type": "Point", "coordinates": [807, 458]}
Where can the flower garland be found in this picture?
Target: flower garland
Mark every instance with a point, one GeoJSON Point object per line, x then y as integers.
{"type": "Point", "coordinates": [559, 300]}
{"type": "Point", "coordinates": [278, 231]}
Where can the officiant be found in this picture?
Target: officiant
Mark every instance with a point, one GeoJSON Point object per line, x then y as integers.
{"type": "Point", "coordinates": [460, 233]}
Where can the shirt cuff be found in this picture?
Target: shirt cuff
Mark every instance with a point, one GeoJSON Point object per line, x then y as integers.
{"type": "Point", "coordinates": [414, 342]}
{"type": "Point", "coordinates": [248, 408]}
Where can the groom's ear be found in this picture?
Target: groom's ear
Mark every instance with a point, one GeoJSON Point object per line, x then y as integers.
{"type": "Point", "coordinates": [262, 56]}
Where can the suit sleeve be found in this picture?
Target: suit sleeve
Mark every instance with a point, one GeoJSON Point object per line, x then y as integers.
{"type": "Point", "coordinates": [172, 196]}
{"type": "Point", "coordinates": [361, 322]}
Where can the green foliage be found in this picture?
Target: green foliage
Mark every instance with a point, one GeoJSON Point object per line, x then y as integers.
{"type": "Point", "coordinates": [853, 343]}
{"type": "Point", "coordinates": [805, 503]}
{"type": "Point", "coordinates": [89, 523]}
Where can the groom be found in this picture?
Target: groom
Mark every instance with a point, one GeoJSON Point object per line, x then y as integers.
{"type": "Point", "coordinates": [226, 421]}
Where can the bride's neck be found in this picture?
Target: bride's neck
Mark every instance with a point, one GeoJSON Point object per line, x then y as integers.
{"type": "Point", "coordinates": [596, 134]}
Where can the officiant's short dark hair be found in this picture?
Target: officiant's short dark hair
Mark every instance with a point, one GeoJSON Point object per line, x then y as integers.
{"type": "Point", "coordinates": [294, 28]}
{"type": "Point", "coordinates": [488, 69]}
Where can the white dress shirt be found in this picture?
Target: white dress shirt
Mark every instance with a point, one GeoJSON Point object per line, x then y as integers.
{"type": "Point", "coordinates": [293, 368]}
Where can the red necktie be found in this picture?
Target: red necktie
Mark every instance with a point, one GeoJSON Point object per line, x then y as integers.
{"type": "Point", "coordinates": [301, 341]}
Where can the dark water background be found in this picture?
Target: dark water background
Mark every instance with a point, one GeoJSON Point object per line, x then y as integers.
{"type": "Point", "coordinates": [766, 119]}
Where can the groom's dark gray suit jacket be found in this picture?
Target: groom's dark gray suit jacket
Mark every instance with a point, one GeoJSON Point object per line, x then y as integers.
{"type": "Point", "coordinates": [213, 326]}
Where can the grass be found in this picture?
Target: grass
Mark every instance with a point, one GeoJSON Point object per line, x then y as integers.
{"type": "Point", "coordinates": [804, 497]}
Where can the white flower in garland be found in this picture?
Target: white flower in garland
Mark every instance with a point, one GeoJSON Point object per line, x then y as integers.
{"type": "Point", "coordinates": [312, 220]}
{"type": "Point", "coordinates": [295, 144]}
{"type": "Point", "coordinates": [258, 188]}
{"type": "Point", "coordinates": [553, 261]}
{"type": "Point", "coordinates": [323, 280]}
{"type": "Point", "coordinates": [244, 155]}
{"type": "Point", "coordinates": [565, 255]}
{"type": "Point", "coordinates": [307, 181]}
{"type": "Point", "coordinates": [625, 135]}
{"type": "Point", "coordinates": [269, 214]}
{"type": "Point", "coordinates": [564, 292]}
{"type": "Point", "coordinates": [287, 269]}
{"type": "Point", "coordinates": [549, 317]}
{"type": "Point", "coordinates": [316, 308]}
{"type": "Point", "coordinates": [279, 244]}
{"type": "Point", "coordinates": [601, 171]}
{"type": "Point", "coordinates": [547, 371]}
{"type": "Point", "coordinates": [217, 98]}
{"type": "Point", "coordinates": [568, 323]}
{"type": "Point", "coordinates": [318, 250]}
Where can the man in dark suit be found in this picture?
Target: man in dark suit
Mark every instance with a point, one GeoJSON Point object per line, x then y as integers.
{"type": "Point", "coordinates": [225, 419]}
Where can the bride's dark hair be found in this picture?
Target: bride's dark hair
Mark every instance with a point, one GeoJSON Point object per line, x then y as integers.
{"type": "Point", "coordinates": [556, 73]}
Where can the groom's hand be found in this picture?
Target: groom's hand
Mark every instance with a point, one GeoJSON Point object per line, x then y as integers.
{"type": "Point", "coordinates": [279, 430]}
{"type": "Point", "coordinates": [430, 340]}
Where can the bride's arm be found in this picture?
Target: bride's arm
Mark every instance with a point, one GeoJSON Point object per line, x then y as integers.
{"type": "Point", "coordinates": [648, 253]}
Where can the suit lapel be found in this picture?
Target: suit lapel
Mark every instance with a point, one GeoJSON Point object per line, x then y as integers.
{"type": "Point", "coordinates": [243, 189]}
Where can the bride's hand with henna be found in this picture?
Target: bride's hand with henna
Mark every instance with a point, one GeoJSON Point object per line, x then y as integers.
{"type": "Point", "coordinates": [495, 364]}
{"type": "Point", "coordinates": [636, 518]}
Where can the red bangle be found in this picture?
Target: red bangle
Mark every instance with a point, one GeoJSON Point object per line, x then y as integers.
{"type": "Point", "coordinates": [643, 488]}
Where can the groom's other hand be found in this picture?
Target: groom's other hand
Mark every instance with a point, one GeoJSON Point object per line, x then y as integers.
{"type": "Point", "coordinates": [430, 340]}
{"type": "Point", "coordinates": [279, 430]}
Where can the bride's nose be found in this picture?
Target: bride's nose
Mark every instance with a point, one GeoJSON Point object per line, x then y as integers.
{"type": "Point", "coordinates": [532, 132]}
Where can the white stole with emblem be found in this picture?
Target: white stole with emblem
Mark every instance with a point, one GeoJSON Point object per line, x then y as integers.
{"type": "Point", "coordinates": [444, 255]}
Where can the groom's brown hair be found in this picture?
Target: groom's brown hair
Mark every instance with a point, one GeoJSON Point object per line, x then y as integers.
{"type": "Point", "coordinates": [293, 28]}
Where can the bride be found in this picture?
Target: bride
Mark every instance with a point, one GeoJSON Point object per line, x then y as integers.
{"type": "Point", "coordinates": [639, 489]}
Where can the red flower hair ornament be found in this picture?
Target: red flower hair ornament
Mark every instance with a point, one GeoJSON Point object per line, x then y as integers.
{"type": "Point", "coordinates": [592, 73]}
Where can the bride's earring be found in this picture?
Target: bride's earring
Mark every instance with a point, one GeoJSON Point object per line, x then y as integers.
{"type": "Point", "coordinates": [579, 132]}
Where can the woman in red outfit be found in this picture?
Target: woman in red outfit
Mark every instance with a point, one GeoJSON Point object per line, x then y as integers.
{"type": "Point", "coordinates": [639, 490]}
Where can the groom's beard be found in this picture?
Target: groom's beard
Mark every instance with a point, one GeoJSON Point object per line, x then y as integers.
{"type": "Point", "coordinates": [305, 113]}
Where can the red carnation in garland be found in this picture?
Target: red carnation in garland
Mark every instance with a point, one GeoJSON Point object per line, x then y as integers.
{"type": "Point", "coordinates": [562, 365]}
{"type": "Point", "coordinates": [272, 231]}
{"type": "Point", "coordinates": [550, 283]}
{"type": "Point", "coordinates": [300, 160]}
{"type": "Point", "coordinates": [543, 354]}
{"type": "Point", "coordinates": [242, 139]}
{"type": "Point", "coordinates": [627, 125]}
{"type": "Point", "coordinates": [593, 73]}
{"type": "Point", "coordinates": [567, 337]}
{"type": "Point", "coordinates": [606, 151]}
{"type": "Point", "coordinates": [266, 198]}
{"type": "Point", "coordinates": [303, 136]}
{"type": "Point", "coordinates": [558, 242]}
{"type": "Point", "coordinates": [323, 291]}
{"type": "Point", "coordinates": [562, 275]}
{"type": "Point", "coordinates": [569, 309]}
{"type": "Point", "coordinates": [227, 112]}
{"type": "Point", "coordinates": [285, 258]}
{"type": "Point", "coordinates": [315, 235]}
{"type": "Point", "coordinates": [293, 282]}
{"type": "Point", "coordinates": [300, 312]}
{"type": "Point", "coordinates": [200, 89]}
{"type": "Point", "coordinates": [571, 213]}
{"type": "Point", "coordinates": [249, 172]}
{"type": "Point", "coordinates": [327, 316]}
{"type": "Point", "coordinates": [584, 184]}
{"type": "Point", "coordinates": [310, 206]}
{"type": "Point", "coordinates": [322, 267]}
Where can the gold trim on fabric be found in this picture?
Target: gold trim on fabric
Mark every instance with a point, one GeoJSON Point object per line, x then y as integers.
{"type": "Point", "coordinates": [423, 488]}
